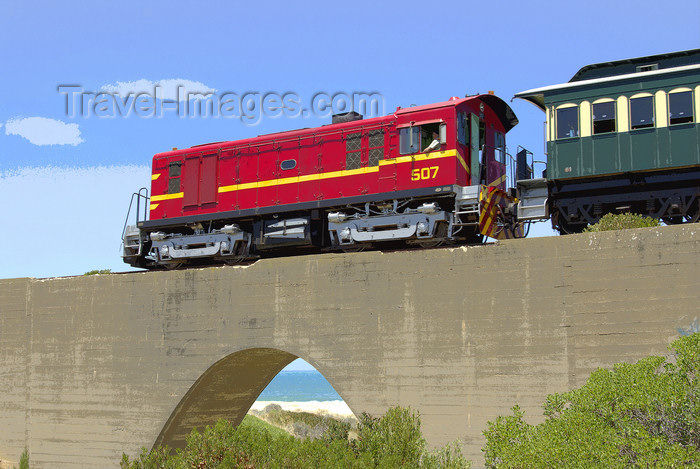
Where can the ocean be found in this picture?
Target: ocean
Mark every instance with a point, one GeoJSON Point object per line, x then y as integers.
{"type": "Point", "coordinates": [299, 386]}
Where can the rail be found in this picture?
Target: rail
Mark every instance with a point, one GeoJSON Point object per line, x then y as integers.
{"type": "Point", "coordinates": [141, 194]}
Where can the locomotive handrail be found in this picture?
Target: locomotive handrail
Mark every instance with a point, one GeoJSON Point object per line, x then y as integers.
{"type": "Point", "coordinates": [141, 194]}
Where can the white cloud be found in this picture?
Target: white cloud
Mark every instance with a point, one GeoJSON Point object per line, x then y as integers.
{"type": "Point", "coordinates": [44, 131]}
{"type": "Point", "coordinates": [175, 89]}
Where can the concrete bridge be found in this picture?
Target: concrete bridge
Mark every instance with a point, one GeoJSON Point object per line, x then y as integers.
{"type": "Point", "coordinates": [95, 366]}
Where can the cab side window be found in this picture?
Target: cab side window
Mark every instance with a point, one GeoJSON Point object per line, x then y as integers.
{"type": "Point", "coordinates": [426, 132]}
{"type": "Point", "coordinates": [462, 128]}
{"type": "Point", "coordinates": [500, 147]}
{"type": "Point", "coordinates": [409, 140]}
{"type": "Point", "coordinates": [417, 138]}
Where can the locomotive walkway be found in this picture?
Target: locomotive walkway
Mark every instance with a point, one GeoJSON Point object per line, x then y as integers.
{"type": "Point", "coordinates": [95, 366]}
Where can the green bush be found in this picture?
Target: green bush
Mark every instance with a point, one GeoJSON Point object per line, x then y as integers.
{"type": "Point", "coordinates": [393, 441]}
{"type": "Point", "coordinates": [96, 272]}
{"type": "Point", "coordinates": [641, 415]}
{"type": "Point", "coordinates": [395, 438]}
{"type": "Point", "coordinates": [621, 221]}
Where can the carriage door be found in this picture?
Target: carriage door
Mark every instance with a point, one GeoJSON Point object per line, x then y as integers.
{"type": "Point", "coordinates": [474, 147]}
{"type": "Point", "coordinates": [200, 180]}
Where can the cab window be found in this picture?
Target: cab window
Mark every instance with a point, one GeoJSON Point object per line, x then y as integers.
{"type": "Point", "coordinates": [427, 131]}
{"type": "Point", "coordinates": [409, 140]}
{"type": "Point", "coordinates": [500, 147]}
{"type": "Point", "coordinates": [417, 138]}
{"type": "Point", "coordinates": [462, 128]}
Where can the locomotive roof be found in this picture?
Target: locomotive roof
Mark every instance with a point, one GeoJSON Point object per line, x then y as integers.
{"type": "Point", "coordinates": [500, 107]}
{"type": "Point", "coordinates": [607, 72]}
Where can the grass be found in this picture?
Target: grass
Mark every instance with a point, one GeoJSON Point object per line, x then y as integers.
{"type": "Point", "coordinates": [256, 424]}
{"type": "Point", "coordinates": [306, 424]}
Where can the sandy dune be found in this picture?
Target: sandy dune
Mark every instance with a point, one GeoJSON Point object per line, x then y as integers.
{"type": "Point", "coordinates": [333, 408]}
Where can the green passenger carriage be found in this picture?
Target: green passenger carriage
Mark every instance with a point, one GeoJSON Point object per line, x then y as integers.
{"type": "Point", "coordinates": [624, 136]}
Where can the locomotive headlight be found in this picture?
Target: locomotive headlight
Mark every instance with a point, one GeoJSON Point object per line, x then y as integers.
{"type": "Point", "coordinates": [164, 251]}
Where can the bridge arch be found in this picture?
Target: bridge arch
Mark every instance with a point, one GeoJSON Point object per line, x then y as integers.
{"type": "Point", "coordinates": [227, 389]}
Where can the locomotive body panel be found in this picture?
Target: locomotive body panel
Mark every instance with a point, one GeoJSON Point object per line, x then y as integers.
{"type": "Point", "coordinates": [327, 163]}
{"type": "Point", "coordinates": [393, 178]}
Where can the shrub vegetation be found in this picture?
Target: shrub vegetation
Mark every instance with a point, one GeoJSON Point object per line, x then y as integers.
{"type": "Point", "coordinates": [640, 415]}
{"type": "Point", "coordinates": [392, 441]}
{"type": "Point", "coordinates": [307, 424]}
{"type": "Point", "coordinates": [621, 221]}
{"type": "Point", "coordinates": [98, 272]}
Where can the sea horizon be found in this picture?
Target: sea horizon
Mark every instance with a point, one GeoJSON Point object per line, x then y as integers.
{"type": "Point", "coordinates": [299, 386]}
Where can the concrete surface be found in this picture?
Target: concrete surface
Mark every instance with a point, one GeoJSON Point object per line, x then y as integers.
{"type": "Point", "coordinates": [95, 366]}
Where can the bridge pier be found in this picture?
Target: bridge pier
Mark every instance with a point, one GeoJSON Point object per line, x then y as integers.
{"type": "Point", "coordinates": [95, 366]}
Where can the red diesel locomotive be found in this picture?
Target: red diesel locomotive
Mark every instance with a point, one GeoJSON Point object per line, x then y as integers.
{"type": "Point", "coordinates": [423, 175]}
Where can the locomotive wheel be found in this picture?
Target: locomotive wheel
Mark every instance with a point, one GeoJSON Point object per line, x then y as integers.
{"type": "Point", "coordinates": [430, 244]}
{"type": "Point", "coordinates": [438, 239]}
{"type": "Point", "coordinates": [572, 229]}
{"type": "Point", "coordinates": [676, 220]}
{"type": "Point", "coordinates": [695, 216]}
{"type": "Point", "coordinates": [680, 219]}
{"type": "Point", "coordinates": [356, 248]}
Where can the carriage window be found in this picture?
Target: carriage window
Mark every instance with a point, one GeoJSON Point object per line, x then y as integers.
{"type": "Point", "coordinates": [603, 118]}
{"type": "Point", "coordinates": [680, 107]}
{"type": "Point", "coordinates": [409, 140]}
{"type": "Point", "coordinates": [567, 122]}
{"type": "Point", "coordinates": [174, 172]}
{"type": "Point", "coordinates": [641, 112]}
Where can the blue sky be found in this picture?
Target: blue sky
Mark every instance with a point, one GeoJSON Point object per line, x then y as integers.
{"type": "Point", "coordinates": [66, 178]}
